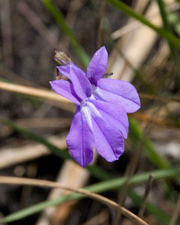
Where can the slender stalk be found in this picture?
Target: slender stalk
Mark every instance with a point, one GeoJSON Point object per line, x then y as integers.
{"type": "Point", "coordinates": [146, 193]}
{"type": "Point", "coordinates": [98, 188]}
{"type": "Point", "coordinates": [40, 93]}
{"type": "Point", "coordinates": [32, 91]}
{"type": "Point", "coordinates": [43, 93]}
{"type": "Point", "coordinates": [51, 184]}
{"type": "Point", "coordinates": [176, 212]}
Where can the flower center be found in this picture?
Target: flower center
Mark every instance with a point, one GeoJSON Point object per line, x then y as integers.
{"type": "Point", "coordinates": [86, 113]}
{"type": "Point", "coordinates": [96, 93]}
{"type": "Point", "coordinates": [88, 110]}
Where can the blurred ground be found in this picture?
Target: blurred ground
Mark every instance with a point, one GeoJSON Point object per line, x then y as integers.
{"type": "Point", "coordinates": [28, 37]}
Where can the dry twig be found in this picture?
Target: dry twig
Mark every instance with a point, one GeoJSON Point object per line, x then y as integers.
{"type": "Point", "coordinates": [176, 212]}
{"type": "Point", "coordinates": [42, 93]}
{"type": "Point", "coordinates": [157, 121]}
{"type": "Point", "coordinates": [39, 123]}
{"type": "Point", "coordinates": [71, 174]}
{"type": "Point", "coordinates": [146, 193]}
{"type": "Point", "coordinates": [51, 184]}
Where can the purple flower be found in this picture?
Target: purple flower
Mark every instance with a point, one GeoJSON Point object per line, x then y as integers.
{"type": "Point", "coordinates": [102, 105]}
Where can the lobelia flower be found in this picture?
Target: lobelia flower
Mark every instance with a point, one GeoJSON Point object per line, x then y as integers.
{"type": "Point", "coordinates": [101, 104]}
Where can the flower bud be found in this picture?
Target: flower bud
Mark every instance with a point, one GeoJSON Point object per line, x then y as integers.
{"type": "Point", "coordinates": [61, 58]}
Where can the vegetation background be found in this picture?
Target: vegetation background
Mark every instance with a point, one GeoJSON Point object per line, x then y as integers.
{"type": "Point", "coordinates": [142, 38]}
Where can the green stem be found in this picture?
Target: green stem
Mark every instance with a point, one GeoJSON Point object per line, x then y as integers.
{"type": "Point", "coordinates": [166, 26]}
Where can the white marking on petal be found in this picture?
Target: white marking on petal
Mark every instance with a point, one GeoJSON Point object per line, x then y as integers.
{"type": "Point", "coordinates": [93, 110]}
{"type": "Point", "coordinates": [86, 113]}
{"type": "Point", "coordinates": [88, 110]}
{"type": "Point", "coordinates": [96, 93]}
{"type": "Point", "coordinates": [92, 97]}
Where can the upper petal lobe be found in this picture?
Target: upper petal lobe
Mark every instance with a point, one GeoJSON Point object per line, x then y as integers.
{"type": "Point", "coordinates": [118, 92]}
{"type": "Point", "coordinates": [97, 65]}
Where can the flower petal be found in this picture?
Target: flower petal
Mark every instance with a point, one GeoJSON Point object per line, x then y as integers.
{"type": "Point", "coordinates": [118, 91]}
{"type": "Point", "coordinates": [108, 140]}
{"type": "Point", "coordinates": [65, 88]}
{"type": "Point", "coordinates": [80, 82]}
{"type": "Point", "coordinates": [97, 65]}
{"type": "Point", "coordinates": [80, 140]}
{"type": "Point", "coordinates": [113, 114]}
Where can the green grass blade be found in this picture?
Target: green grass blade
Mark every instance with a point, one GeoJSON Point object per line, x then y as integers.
{"type": "Point", "coordinates": [166, 25]}
{"type": "Point", "coordinates": [130, 12]}
{"type": "Point", "coordinates": [173, 18]}
{"type": "Point", "coordinates": [56, 13]}
{"type": "Point", "coordinates": [162, 217]}
{"type": "Point", "coordinates": [137, 135]}
{"type": "Point", "coordinates": [98, 188]}
{"type": "Point", "coordinates": [139, 178]}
